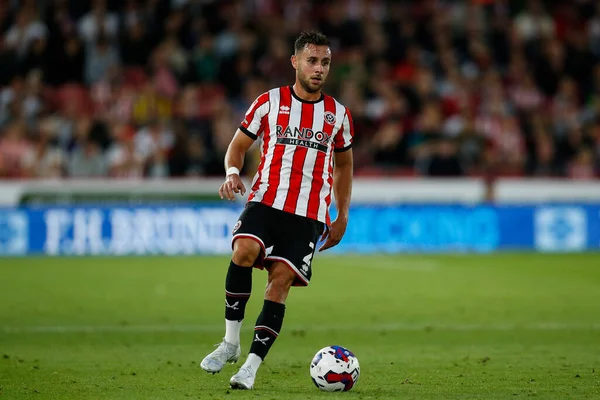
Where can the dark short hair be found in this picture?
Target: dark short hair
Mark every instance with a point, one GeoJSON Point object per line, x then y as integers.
{"type": "Point", "coordinates": [310, 37]}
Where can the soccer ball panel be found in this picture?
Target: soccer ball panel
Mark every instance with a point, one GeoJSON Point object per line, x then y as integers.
{"type": "Point", "coordinates": [334, 368]}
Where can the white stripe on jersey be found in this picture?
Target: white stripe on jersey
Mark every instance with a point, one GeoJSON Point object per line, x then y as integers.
{"type": "Point", "coordinates": [274, 99]}
{"type": "Point", "coordinates": [288, 157]}
{"type": "Point", "coordinates": [346, 134]}
{"type": "Point", "coordinates": [254, 126]}
{"type": "Point", "coordinates": [311, 158]}
{"type": "Point", "coordinates": [340, 114]}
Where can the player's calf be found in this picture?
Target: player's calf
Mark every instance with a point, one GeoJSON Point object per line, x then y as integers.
{"type": "Point", "coordinates": [238, 286]}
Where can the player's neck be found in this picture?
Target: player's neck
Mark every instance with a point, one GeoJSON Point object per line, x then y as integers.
{"type": "Point", "coordinates": [304, 95]}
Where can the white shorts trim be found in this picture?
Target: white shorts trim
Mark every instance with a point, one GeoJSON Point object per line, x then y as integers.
{"type": "Point", "coordinates": [290, 265]}
{"type": "Point", "coordinates": [248, 236]}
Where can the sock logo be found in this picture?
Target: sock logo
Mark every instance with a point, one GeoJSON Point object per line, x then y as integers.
{"type": "Point", "coordinates": [233, 306]}
{"type": "Point", "coordinates": [263, 341]}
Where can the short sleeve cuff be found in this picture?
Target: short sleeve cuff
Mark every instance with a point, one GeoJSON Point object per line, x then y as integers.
{"type": "Point", "coordinates": [248, 133]}
{"type": "Point", "coordinates": [343, 149]}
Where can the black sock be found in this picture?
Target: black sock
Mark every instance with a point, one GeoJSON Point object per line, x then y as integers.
{"type": "Point", "coordinates": [267, 328]}
{"type": "Point", "coordinates": [238, 286]}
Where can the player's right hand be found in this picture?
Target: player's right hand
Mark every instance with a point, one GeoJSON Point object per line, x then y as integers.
{"type": "Point", "coordinates": [233, 184]}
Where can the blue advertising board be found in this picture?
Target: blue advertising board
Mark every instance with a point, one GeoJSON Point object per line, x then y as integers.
{"type": "Point", "coordinates": [206, 229]}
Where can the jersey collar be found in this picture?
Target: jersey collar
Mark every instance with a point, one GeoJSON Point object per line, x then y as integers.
{"type": "Point", "coordinates": [306, 101]}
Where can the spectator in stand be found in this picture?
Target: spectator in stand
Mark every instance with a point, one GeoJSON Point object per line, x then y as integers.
{"type": "Point", "coordinates": [98, 23]}
{"type": "Point", "coordinates": [25, 32]}
{"type": "Point", "coordinates": [86, 160]}
{"type": "Point", "coordinates": [443, 159]}
{"type": "Point", "coordinates": [15, 148]}
{"type": "Point", "coordinates": [124, 161]}
{"type": "Point", "coordinates": [101, 58]}
{"type": "Point", "coordinates": [45, 159]}
{"type": "Point", "coordinates": [135, 45]}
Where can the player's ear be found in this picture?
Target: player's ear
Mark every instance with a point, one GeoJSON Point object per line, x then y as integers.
{"type": "Point", "coordinates": [294, 61]}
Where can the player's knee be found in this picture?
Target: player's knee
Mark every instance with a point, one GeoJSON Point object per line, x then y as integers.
{"type": "Point", "coordinates": [245, 252]}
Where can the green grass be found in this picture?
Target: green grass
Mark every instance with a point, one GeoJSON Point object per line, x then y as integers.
{"type": "Point", "coordinates": [422, 327]}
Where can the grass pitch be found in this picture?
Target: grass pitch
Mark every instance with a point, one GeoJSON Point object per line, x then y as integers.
{"type": "Point", "coordinates": [423, 327]}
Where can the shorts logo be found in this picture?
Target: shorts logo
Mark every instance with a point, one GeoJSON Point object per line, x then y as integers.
{"type": "Point", "coordinates": [236, 227]}
{"type": "Point", "coordinates": [330, 118]}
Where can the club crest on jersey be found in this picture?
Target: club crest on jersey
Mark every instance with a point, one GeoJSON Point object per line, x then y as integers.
{"type": "Point", "coordinates": [330, 117]}
{"type": "Point", "coordinates": [304, 137]}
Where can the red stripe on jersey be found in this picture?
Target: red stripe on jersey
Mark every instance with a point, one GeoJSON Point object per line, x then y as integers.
{"type": "Point", "coordinates": [264, 123]}
{"type": "Point", "coordinates": [339, 141]}
{"type": "Point", "coordinates": [283, 119]}
{"type": "Point", "coordinates": [291, 200]}
{"type": "Point", "coordinates": [262, 99]}
{"type": "Point", "coordinates": [350, 121]}
{"type": "Point", "coordinates": [330, 183]}
{"type": "Point", "coordinates": [317, 183]}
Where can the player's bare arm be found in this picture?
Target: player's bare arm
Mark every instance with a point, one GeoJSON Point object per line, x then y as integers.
{"type": "Point", "coordinates": [342, 189]}
{"type": "Point", "coordinates": [234, 161]}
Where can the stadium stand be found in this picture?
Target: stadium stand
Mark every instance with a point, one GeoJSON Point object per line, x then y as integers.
{"type": "Point", "coordinates": [156, 88]}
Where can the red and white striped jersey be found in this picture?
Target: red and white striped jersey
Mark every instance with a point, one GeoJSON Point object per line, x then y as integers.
{"type": "Point", "coordinates": [298, 138]}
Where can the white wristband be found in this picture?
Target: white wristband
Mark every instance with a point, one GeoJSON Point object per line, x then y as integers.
{"type": "Point", "coordinates": [232, 170]}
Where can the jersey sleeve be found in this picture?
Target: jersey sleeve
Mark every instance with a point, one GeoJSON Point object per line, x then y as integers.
{"type": "Point", "coordinates": [253, 122]}
{"type": "Point", "coordinates": [345, 135]}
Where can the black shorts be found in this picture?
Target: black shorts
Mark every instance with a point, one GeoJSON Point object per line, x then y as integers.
{"type": "Point", "coordinates": [282, 236]}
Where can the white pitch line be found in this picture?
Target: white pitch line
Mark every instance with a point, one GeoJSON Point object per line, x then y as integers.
{"type": "Point", "coordinates": [317, 328]}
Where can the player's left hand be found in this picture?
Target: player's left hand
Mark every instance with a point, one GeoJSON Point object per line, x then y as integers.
{"type": "Point", "coordinates": [334, 233]}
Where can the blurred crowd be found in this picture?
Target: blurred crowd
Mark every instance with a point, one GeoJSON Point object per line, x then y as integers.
{"type": "Point", "coordinates": [157, 88]}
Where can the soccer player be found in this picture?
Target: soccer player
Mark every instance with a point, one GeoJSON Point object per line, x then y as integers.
{"type": "Point", "coordinates": [306, 151]}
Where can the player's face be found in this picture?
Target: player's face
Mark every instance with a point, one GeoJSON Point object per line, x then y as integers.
{"type": "Point", "coordinates": [312, 66]}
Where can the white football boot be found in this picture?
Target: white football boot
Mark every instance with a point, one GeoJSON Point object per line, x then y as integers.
{"type": "Point", "coordinates": [244, 379]}
{"type": "Point", "coordinates": [225, 352]}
